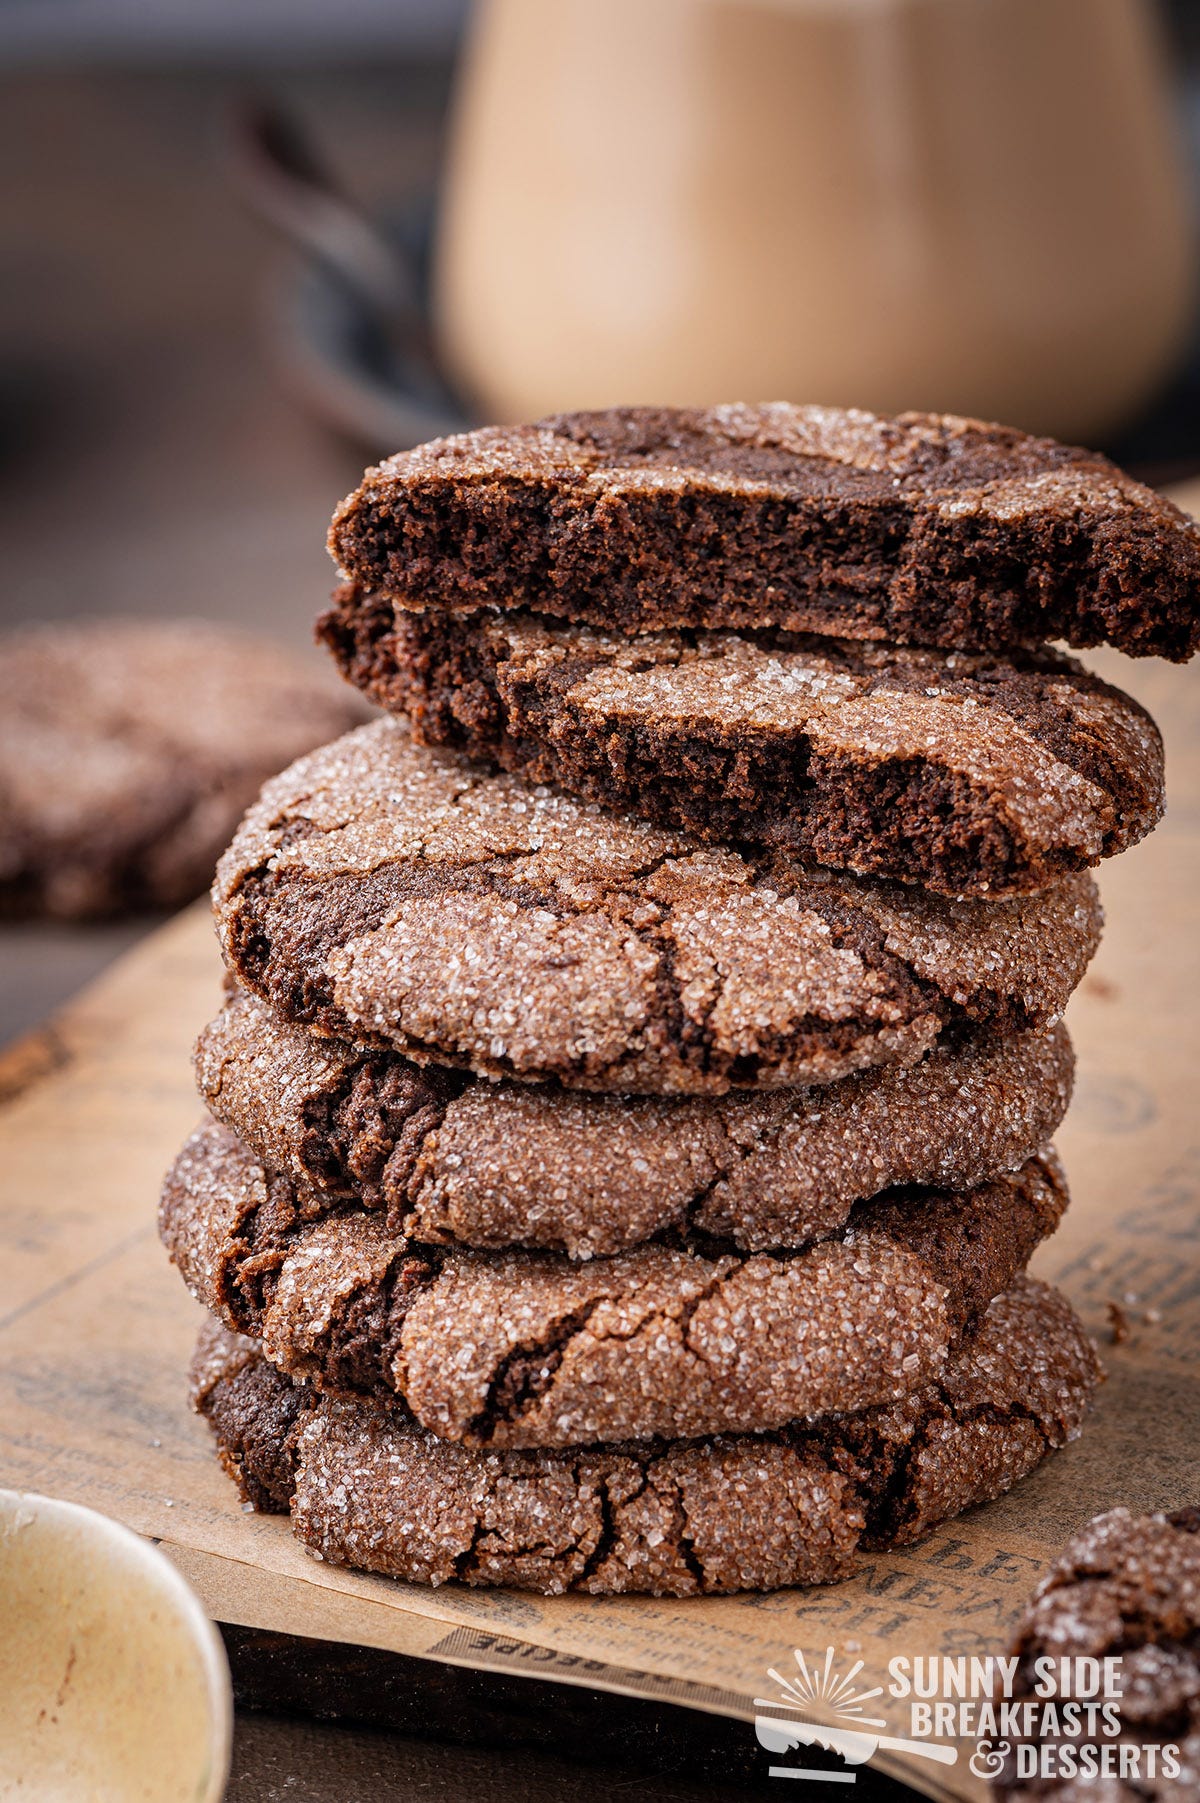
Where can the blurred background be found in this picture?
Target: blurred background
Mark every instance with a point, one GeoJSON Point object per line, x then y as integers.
{"type": "Point", "coordinates": [247, 249]}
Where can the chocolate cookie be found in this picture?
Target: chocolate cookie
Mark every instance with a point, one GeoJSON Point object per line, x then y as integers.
{"type": "Point", "coordinates": [530, 1349]}
{"type": "Point", "coordinates": [130, 748]}
{"type": "Point", "coordinates": [970, 775]}
{"type": "Point", "coordinates": [366, 1487]}
{"type": "Point", "coordinates": [394, 895]}
{"type": "Point", "coordinates": [1127, 1586]}
{"type": "Point", "coordinates": [924, 529]}
{"type": "Point", "coordinates": [456, 1160]}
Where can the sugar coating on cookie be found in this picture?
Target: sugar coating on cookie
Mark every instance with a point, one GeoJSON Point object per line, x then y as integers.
{"type": "Point", "coordinates": [391, 894]}
{"type": "Point", "coordinates": [531, 1349]}
{"type": "Point", "coordinates": [1125, 1588]}
{"type": "Point", "coordinates": [452, 1159]}
{"type": "Point", "coordinates": [368, 1488]}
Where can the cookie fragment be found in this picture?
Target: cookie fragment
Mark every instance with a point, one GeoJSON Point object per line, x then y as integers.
{"type": "Point", "coordinates": [394, 895]}
{"type": "Point", "coordinates": [922, 529]}
{"type": "Point", "coordinates": [369, 1488]}
{"type": "Point", "coordinates": [454, 1160]}
{"type": "Point", "coordinates": [530, 1349]}
{"type": "Point", "coordinates": [1126, 1586]}
{"type": "Point", "coordinates": [969, 775]}
{"type": "Point", "coordinates": [130, 748]}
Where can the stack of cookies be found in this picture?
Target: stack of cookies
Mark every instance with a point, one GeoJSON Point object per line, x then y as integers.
{"type": "Point", "coordinates": [630, 1115]}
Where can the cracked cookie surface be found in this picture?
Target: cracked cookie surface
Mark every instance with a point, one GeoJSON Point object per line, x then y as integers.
{"type": "Point", "coordinates": [368, 1488]}
{"type": "Point", "coordinates": [390, 894]}
{"type": "Point", "coordinates": [452, 1159]}
{"type": "Point", "coordinates": [1126, 1586]}
{"type": "Point", "coordinates": [969, 775]}
{"type": "Point", "coordinates": [530, 1349]}
{"type": "Point", "coordinates": [922, 529]}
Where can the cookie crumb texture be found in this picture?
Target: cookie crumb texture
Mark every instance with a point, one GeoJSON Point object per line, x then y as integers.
{"type": "Point", "coordinates": [530, 1349]}
{"type": "Point", "coordinates": [1128, 1586]}
{"type": "Point", "coordinates": [367, 1487]}
{"type": "Point", "coordinates": [389, 894]}
{"type": "Point", "coordinates": [922, 529]}
{"type": "Point", "coordinates": [452, 1159]}
{"type": "Point", "coordinates": [969, 775]}
{"type": "Point", "coordinates": [129, 750]}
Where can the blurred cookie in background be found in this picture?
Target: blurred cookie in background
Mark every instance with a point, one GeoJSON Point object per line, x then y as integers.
{"type": "Point", "coordinates": [130, 748]}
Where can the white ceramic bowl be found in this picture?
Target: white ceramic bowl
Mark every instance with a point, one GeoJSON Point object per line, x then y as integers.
{"type": "Point", "coordinates": [113, 1681]}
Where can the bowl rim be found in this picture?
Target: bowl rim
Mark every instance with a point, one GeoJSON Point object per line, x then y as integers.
{"type": "Point", "coordinates": [146, 1554]}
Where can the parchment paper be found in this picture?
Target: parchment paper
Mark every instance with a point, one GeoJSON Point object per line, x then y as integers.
{"type": "Point", "coordinates": [95, 1329]}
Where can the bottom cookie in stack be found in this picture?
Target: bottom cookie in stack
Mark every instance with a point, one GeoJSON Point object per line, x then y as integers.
{"type": "Point", "coordinates": [367, 1486]}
